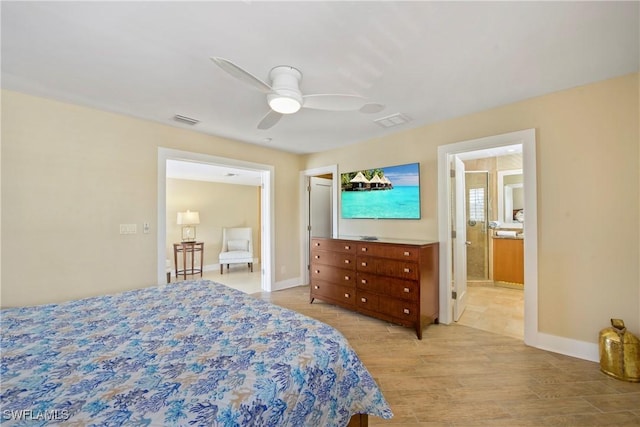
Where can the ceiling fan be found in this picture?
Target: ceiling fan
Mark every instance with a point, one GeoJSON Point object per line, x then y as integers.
{"type": "Point", "coordinates": [284, 95]}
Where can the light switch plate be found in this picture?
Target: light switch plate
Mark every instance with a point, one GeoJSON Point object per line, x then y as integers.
{"type": "Point", "coordinates": [128, 228]}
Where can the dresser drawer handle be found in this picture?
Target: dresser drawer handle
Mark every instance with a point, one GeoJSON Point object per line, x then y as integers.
{"type": "Point", "coordinates": [363, 281]}
{"type": "Point", "coordinates": [406, 311]}
{"type": "Point", "coordinates": [363, 299]}
{"type": "Point", "coordinates": [317, 244]}
{"type": "Point", "coordinates": [407, 290]}
{"type": "Point", "coordinates": [316, 287]}
{"type": "Point", "coordinates": [364, 264]}
{"type": "Point", "coordinates": [346, 261]}
{"type": "Point", "coordinates": [363, 249]}
{"type": "Point", "coordinates": [347, 247]}
{"type": "Point", "coordinates": [317, 257]}
{"type": "Point", "coordinates": [407, 270]}
{"type": "Point", "coordinates": [406, 253]}
{"type": "Point", "coordinates": [347, 295]}
{"type": "Point", "coordinates": [317, 271]}
{"type": "Point", "coordinates": [347, 278]}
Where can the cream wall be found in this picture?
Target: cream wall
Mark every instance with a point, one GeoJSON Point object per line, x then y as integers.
{"type": "Point", "coordinates": [588, 196]}
{"type": "Point", "coordinates": [220, 206]}
{"type": "Point", "coordinates": [71, 175]}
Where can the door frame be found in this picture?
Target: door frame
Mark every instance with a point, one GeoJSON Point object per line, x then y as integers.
{"type": "Point", "coordinates": [267, 216]}
{"type": "Point", "coordinates": [528, 140]}
{"type": "Point", "coordinates": [305, 176]}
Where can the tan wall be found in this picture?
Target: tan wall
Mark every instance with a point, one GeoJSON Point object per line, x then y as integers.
{"type": "Point", "coordinates": [219, 205]}
{"type": "Point", "coordinates": [71, 175]}
{"type": "Point", "coordinates": [588, 196]}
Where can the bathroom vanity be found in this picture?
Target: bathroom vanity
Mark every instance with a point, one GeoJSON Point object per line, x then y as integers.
{"type": "Point", "coordinates": [508, 259]}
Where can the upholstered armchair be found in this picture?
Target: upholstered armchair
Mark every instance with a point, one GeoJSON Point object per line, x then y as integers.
{"type": "Point", "coordinates": [237, 247]}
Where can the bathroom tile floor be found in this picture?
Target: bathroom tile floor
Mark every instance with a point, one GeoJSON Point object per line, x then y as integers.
{"type": "Point", "coordinates": [495, 309]}
{"type": "Point", "coordinates": [463, 376]}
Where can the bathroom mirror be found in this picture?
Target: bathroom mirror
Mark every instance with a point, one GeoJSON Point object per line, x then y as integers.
{"type": "Point", "coordinates": [510, 198]}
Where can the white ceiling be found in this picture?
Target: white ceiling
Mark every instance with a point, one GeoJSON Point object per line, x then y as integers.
{"type": "Point", "coordinates": [430, 61]}
{"type": "Point", "coordinates": [194, 171]}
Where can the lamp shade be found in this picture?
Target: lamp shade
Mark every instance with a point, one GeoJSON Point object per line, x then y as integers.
{"type": "Point", "coordinates": [188, 218]}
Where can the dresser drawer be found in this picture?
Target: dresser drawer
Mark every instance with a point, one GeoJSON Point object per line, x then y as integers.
{"type": "Point", "coordinates": [367, 301]}
{"type": "Point", "coordinates": [387, 267]}
{"type": "Point", "coordinates": [389, 251]}
{"type": "Point", "coordinates": [395, 288]}
{"type": "Point", "coordinates": [398, 308]}
{"type": "Point", "coordinates": [340, 294]}
{"type": "Point", "coordinates": [401, 269]}
{"type": "Point", "coordinates": [333, 245]}
{"type": "Point", "coordinates": [336, 259]}
{"type": "Point", "coordinates": [339, 276]}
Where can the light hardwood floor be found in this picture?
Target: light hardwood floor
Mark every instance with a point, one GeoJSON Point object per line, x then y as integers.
{"type": "Point", "coordinates": [477, 372]}
{"type": "Point", "coordinates": [462, 376]}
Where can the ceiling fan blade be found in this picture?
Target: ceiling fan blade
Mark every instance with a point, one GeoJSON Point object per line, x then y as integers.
{"type": "Point", "coordinates": [241, 74]}
{"type": "Point", "coordinates": [269, 120]}
{"type": "Point", "coordinates": [334, 102]}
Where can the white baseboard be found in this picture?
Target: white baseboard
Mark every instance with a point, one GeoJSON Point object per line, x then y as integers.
{"type": "Point", "coordinates": [216, 267]}
{"type": "Point", "coordinates": [286, 284]}
{"type": "Point", "coordinates": [567, 346]}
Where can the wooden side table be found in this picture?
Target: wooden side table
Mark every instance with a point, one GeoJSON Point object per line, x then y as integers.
{"type": "Point", "coordinates": [188, 248]}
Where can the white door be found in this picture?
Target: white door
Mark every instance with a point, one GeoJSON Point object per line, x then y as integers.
{"type": "Point", "coordinates": [458, 207]}
{"type": "Point", "coordinates": [320, 209]}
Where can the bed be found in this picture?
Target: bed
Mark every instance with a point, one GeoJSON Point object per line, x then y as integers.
{"type": "Point", "coordinates": [189, 353]}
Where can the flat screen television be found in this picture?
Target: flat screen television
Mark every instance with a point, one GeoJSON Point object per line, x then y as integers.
{"type": "Point", "coordinates": [391, 192]}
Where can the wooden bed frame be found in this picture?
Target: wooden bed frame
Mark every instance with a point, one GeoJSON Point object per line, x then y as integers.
{"type": "Point", "coordinates": [359, 420]}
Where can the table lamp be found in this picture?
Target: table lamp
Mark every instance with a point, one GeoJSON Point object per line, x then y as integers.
{"type": "Point", "coordinates": [188, 221]}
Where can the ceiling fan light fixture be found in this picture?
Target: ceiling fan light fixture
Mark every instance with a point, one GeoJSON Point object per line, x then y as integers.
{"type": "Point", "coordinates": [284, 104]}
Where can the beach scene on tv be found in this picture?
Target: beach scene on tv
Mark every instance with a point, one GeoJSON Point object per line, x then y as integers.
{"type": "Point", "coordinates": [385, 193]}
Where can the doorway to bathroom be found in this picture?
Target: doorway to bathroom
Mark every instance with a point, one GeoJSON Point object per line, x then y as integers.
{"type": "Point", "coordinates": [494, 296]}
{"type": "Point", "coordinates": [480, 204]}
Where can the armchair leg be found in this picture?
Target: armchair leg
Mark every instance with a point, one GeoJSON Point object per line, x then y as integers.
{"type": "Point", "coordinates": [251, 266]}
{"type": "Point", "coordinates": [221, 268]}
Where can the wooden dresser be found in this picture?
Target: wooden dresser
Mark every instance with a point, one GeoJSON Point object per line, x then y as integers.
{"type": "Point", "coordinates": [393, 280]}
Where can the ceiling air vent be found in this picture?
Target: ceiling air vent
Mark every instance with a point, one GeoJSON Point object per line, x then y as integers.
{"type": "Point", "coordinates": [185, 119]}
{"type": "Point", "coordinates": [393, 120]}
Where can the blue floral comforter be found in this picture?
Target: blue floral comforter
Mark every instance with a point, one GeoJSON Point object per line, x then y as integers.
{"type": "Point", "coordinates": [190, 353]}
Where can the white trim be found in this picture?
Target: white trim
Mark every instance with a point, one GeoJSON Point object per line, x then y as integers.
{"type": "Point", "coordinates": [569, 347]}
{"type": "Point", "coordinates": [266, 208]}
{"type": "Point", "coordinates": [528, 140]}
{"type": "Point", "coordinates": [216, 267]}
{"type": "Point", "coordinates": [305, 176]}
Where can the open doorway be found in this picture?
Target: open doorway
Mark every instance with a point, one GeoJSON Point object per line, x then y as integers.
{"type": "Point", "coordinates": [319, 209]}
{"type": "Point", "coordinates": [265, 173]}
{"type": "Point", "coordinates": [494, 242]}
{"type": "Point", "coordinates": [449, 257]}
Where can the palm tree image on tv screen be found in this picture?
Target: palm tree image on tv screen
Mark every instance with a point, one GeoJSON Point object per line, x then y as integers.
{"type": "Point", "coordinates": [391, 192]}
